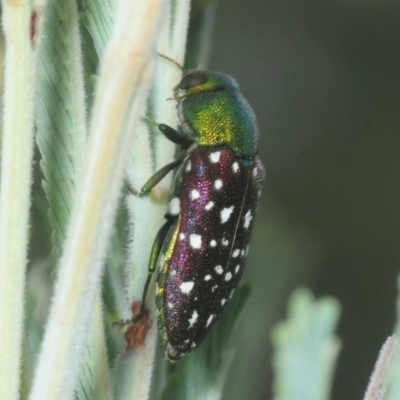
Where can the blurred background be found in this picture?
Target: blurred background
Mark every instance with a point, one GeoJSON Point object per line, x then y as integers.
{"type": "Point", "coordinates": [323, 78]}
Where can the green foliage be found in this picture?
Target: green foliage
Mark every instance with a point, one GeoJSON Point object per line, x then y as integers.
{"type": "Point", "coordinates": [98, 17]}
{"type": "Point", "coordinates": [306, 349]}
{"type": "Point", "coordinates": [60, 112]}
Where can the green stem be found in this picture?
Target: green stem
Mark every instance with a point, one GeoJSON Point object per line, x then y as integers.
{"type": "Point", "coordinates": [146, 214]}
{"type": "Point", "coordinates": [16, 171]}
{"type": "Point", "coordinates": [122, 79]}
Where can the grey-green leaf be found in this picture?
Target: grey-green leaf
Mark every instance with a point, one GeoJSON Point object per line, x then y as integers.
{"type": "Point", "coordinates": [60, 111]}
{"type": "Point", "coordinates": [306, 348]}
{"type": "Point", "coordinates": [98, 19]}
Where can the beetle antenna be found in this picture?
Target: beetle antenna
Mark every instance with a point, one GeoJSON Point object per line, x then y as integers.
{"type": "Point", "coordinates": [171, 60]}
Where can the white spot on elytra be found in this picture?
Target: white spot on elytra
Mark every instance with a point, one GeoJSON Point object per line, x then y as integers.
{"type": "Point", "coordinates": [193, 345]}
{"type": "Point", "coordinates": [224, 242]}
{"type": "Point", "coordinates": [255, 171]}
{"type": "Point", "coordinates": [213, 288]}
{"type": "Point", "coordinates": [218, 269]}
{"type": "Point", "coordinates": [181, 236]}
{"type": "Point", "coordinates": [194, 194]}
{"type": "Point", "coordinates": [170, 305]}
{"type": "Point", "coordinates": [247, 219]}
{"type": "Point", "coordinates": [228, 276]}
{"type": "Point", "coordinates": [243, 252]}
{"type": "Point", "coordinates": [173, 272]}
{"type": "Point", "coordinates": [213, 243]}
{"type": "Point", "coordinates": [223, 301]}
{"type": "Point", "coordinates": [209, 205]}
{"type": "Point", "coordinates": [210, 318]}
{"type": "Point", "coordinates": [231, 294]}
{"type": "Point", "coordinates": [188, 166]}
{"type": "Point", "coordinates": [235, 167]}
{"type": "Point", "coordinates": [237, 268]}
{"type": "Point", "coordinates": [186, 287]}
{"type": "Point", "coordinates": [214, 157]}
{"type": "Point", "coordinates": [207, 277]}
{"type": "Point", "coordinates": [235, 253]}
{"type": "Point", "coordinates": [174, 206]}
{"type": "Point", "coordinates": [218, 184]}
{"type": "Point", "coordinates": [193, 319]}
{"type": "Point", "coordinates": [195, 241]}
{"type": "Point", "coordinates": [226, 213]}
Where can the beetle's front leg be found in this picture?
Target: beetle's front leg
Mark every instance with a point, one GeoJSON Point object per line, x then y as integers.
{"type": "Point", "coordinates": [175, 136]}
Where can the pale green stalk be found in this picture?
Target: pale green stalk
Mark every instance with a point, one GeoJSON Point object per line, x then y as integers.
{"type": "Point", "coordinates": [172, 43]}
{"type": "Point", "coordinates": [94, 377]}
{"type": "Point", "coordinates": [393, 387]}
{"type": "Point", "coordinates": [121, 80]}
{"type": "Point", "coordinates": [135, 369]}
{"type": "Point", "coordinates": [146, 214]}
{"type": "Point", "coordinates": [379, 379]}
{"type": "Point", "coordinates": [16, 171]}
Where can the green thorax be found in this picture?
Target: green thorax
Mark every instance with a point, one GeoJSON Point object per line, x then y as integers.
{"type": "Point", "coordinates": [212, 111]}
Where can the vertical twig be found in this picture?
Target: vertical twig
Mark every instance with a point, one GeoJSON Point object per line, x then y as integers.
{"type": "Point", "coordinates": [16, 171]}
{"type": "Point", "coordinates": [379, 379]}
{"type": "Point", "coordinates": [146, 214]}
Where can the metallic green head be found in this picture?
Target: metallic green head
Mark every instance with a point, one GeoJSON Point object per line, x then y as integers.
{"type": "Point", "coordinates": [212, 111]}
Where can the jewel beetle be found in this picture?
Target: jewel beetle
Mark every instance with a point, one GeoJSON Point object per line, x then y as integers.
{"type": "Point", "coordinates": [200, 251]}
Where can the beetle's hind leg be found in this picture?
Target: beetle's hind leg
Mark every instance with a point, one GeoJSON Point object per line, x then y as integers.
{"type": "Point", "coordinates": [158, 176]}
{"type": "Point", "coordinates": [155, 253]}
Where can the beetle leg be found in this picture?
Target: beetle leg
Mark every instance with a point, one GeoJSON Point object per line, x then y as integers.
{"type": "Point", "coordinates": [155, 252]}
{"type": "Point", "coordinates": [159, 175]}
{"type": "Point", "coordinates": [175, 136]}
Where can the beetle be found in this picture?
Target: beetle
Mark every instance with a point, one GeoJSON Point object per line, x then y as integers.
{"type": "Point", "coordinates": [200, 251]}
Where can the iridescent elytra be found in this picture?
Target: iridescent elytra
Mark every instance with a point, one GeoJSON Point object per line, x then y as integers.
{"type": "Point", "coordinates": [200, 251]}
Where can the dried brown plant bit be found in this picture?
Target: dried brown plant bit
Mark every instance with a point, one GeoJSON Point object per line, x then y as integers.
{"type": "Point", "coordinates": [136, 334]}
{"type": "Point", "coordinates": [34, 28]}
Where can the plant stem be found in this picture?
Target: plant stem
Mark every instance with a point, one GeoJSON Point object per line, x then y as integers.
{"type": "Point", "coordinates": [16, 171]}
{"type": "Point", "coordinates": [121, 79]}
{"type": "Point", "coordinates": [146, 214]}
{"type": "Point", "coordinates": [379, 379]}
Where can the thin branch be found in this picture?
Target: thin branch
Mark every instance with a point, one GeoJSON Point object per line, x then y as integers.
{"type": "Point", "coordinates": [146, 214]}
{"type": "Point", "coordinates": [16, 172]}
{"type": "Point", "coordinates": [379, 379]}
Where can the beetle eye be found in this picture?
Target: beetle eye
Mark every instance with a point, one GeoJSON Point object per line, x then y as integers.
{"type": "Point", "coordinates": [192, 79]}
